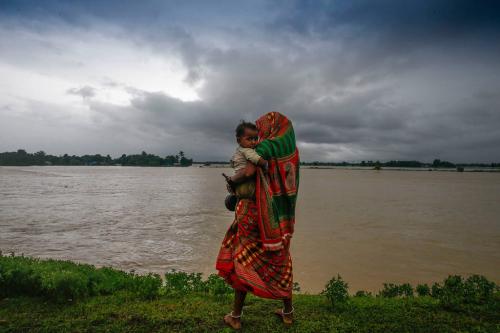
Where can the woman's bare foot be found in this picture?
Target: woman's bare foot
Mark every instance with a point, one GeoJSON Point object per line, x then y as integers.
{"type": "Point", "coordinates": [232, 322]}
{"type": "Point", "coordinates": [286, 318]}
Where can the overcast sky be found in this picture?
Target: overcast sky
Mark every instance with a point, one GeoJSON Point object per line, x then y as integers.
{"type": "Point", "coordinates": [360, 80]}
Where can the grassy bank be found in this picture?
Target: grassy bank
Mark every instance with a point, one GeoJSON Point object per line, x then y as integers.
{"type": "Point", "coordinates": [60, 296]}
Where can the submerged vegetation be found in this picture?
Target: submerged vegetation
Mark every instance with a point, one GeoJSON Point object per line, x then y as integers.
{"type": "Point", "coordinates": [57, 296]}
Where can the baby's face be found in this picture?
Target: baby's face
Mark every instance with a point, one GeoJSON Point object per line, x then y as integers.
{"type": "Point", "coordinates": [248, 139]}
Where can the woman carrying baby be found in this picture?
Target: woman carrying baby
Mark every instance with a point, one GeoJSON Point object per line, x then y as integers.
{"type": "Point", "coordinates": [255, 253]}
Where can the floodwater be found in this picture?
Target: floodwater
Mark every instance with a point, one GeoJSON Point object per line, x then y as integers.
{"type": "Point", "coordinates": [368, 226]}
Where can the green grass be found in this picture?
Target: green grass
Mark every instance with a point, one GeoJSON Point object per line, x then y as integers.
{"type": "Point", "coordinates": [201, 313]}
{"type": "Point", "coordinates": [186, 303]}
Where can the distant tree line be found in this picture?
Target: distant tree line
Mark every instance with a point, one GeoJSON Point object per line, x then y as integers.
{"type": "Point", "coordinates": [21, 157]}
{"type": "Point", "coordinates": [437, 163]}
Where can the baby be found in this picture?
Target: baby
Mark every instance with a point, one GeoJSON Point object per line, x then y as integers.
{"type": "Point", "coordinates": [246, 136]}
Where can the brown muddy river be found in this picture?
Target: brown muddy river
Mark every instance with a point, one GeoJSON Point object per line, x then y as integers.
{"type": "Point", "coordinates": [368, 226]}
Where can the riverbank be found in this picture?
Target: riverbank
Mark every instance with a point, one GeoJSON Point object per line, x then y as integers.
{"type": "Point", "coordinates": [61, 296]}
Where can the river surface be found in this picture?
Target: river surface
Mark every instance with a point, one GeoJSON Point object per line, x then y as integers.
{"type": "Point", "coordinates": [368, 226]}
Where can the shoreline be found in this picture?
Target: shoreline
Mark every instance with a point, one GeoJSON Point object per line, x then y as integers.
{"type": "Point", "coordinates": [35, 262]}
{"type": "Point", "coordinates": [227, 166]}
{"type": "Point", "coordinates": [486, 170]}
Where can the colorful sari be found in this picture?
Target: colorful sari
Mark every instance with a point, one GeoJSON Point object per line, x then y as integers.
{"type": "Point", "coordinates": [254, 255]}
{"type": "Point", "coordinates": [277, 189]}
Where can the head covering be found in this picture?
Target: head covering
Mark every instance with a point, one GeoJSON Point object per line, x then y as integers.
{"type": "Point", "coordinates": [276, 190]}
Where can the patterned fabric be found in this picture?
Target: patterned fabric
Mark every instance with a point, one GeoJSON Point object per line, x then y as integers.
{"type": "Point", "coordinates": [276, 190]}
{"type": "Point", "coordinates": [246, 266]}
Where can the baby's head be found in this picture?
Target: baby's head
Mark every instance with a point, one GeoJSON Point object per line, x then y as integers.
{"type": "Point", "coordinates": [246, 134]}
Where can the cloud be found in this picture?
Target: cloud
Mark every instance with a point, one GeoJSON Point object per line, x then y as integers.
{"type": "Point", "coordinates": [360, 80]}
{"type": "Point", "coordinates": [84, 92]}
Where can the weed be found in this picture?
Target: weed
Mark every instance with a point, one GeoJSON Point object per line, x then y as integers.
{"type": "Point", "coordinates": [456, 293]}
{"type": "Point", "coordinates": [178, 282]}
{"type": "Point", "coordinates": [336, 291]}
{"type": "Point", "coordinates": [217, 286]}
{"type": "Point", "coordinates": [362, 293]}
{"type": "Point", "coordinates": [395, 290]}
{"type": "Point", "coordinates": [423, 290]}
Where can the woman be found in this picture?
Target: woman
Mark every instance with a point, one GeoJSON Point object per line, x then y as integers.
{"type": "Point", "coordinates": [254, 256]}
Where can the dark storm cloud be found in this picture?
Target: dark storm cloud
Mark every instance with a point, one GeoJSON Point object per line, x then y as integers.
{"type": "Point", "coordinates": [377, 38]}
{"type": "Point", "coordinates": [138, 15]}
{"type": "Point", "coordinates": [399, 20]}
{"type": "Point", "coordinates": [359, 79]}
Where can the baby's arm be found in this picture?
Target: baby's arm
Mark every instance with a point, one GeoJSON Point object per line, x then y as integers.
{"type": "Point", "coordinates": [242, 174]}
{"type": "Point", "coordinates": [253, 157]}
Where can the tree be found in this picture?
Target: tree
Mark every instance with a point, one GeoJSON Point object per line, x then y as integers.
{"type": "Point", "coordinates": [65, 159]}
{"type": "Point", "coordinates": [40, 157]}
{"type": "Point", "coordinates": [186, 161]}
{"type": "Point", "coordinates": [169, 160]}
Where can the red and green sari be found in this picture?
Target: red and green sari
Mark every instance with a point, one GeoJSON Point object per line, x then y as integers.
{"type": "Point", "coordinates": [255, 255]}
{"type": "Point", "coordinates": [277, 189]}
